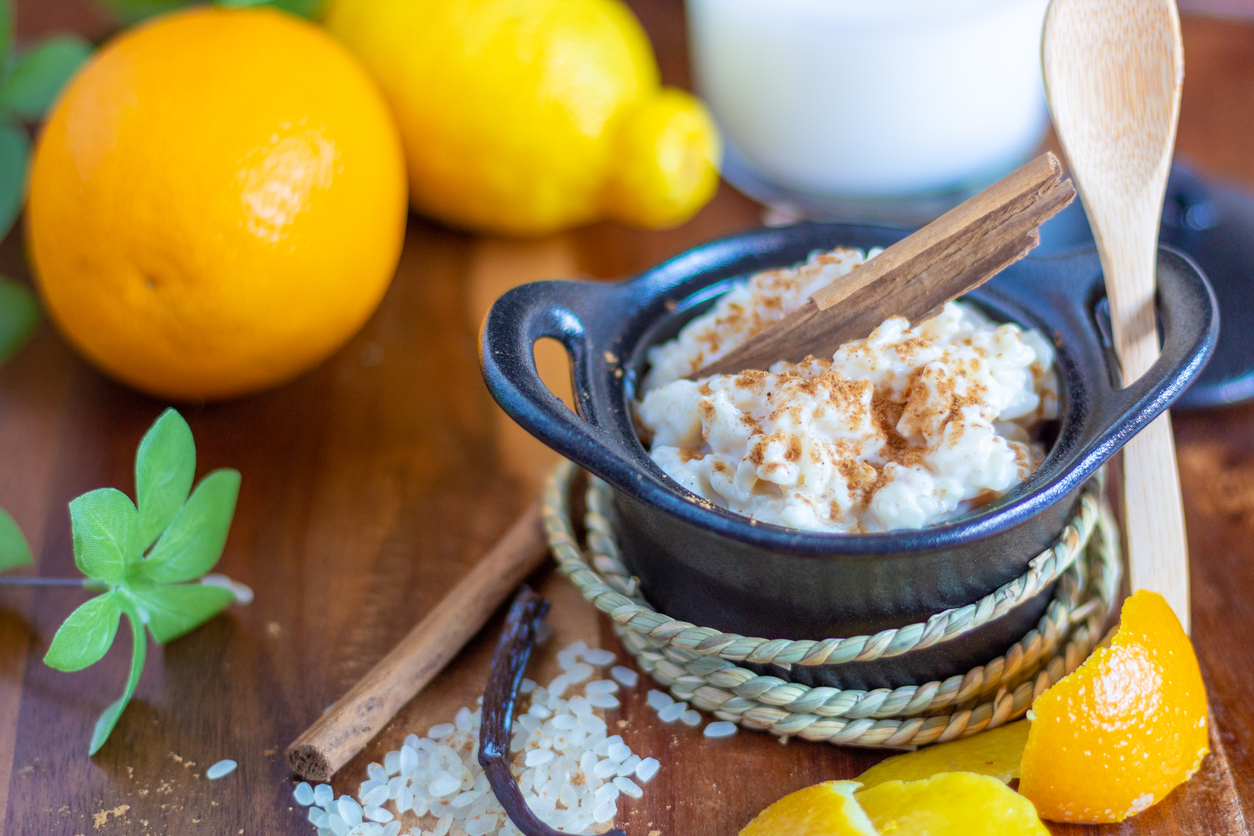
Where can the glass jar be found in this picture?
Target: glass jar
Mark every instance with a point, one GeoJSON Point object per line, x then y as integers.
{"type": "Point", "coordinates": [871, 109]}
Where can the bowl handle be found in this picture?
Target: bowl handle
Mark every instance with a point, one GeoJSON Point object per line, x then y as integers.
{"type": "Point", "coordinates": [570, 312]}
{"type": "Point", "coordinates": [1189, 315]}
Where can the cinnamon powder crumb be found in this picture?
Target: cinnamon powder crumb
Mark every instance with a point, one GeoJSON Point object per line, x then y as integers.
{"type": "Point", "coordinates": [99, 819]}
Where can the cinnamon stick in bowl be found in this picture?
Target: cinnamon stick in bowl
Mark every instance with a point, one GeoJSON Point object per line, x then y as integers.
{"type": "Point", "coordinates": [915, 277]}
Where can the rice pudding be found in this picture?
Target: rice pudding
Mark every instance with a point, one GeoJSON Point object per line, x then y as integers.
{"type": "Point", "coordinates": [908, 427]}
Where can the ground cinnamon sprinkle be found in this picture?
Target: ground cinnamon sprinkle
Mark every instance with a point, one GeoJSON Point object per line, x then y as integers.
{"type": "Point", "coordinates": [905, 428]}
{"type": "Point", "coordinates": [99, 819]}
{"type": "Point", "coordinates": [749, 309]}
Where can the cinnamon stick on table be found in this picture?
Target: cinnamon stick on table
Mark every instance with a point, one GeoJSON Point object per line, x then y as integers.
{"type": "Point", "coordinates": [915, 277]}
{"type": "Point", "coordinates": [359, 715]}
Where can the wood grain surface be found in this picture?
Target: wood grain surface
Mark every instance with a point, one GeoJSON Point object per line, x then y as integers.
{"type": "Point", "coordinates": [371, 485]}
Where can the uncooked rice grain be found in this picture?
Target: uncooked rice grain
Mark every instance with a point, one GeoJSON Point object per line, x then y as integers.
{"type": "Point", "coordinates": [599, 657]}
{"type": "Point", "coordinates": [578, 672]}
{"type": "Point", "coordinates": [722, 728]}
{"type": "Point", "coordinates": [538, 756]}
{"type": "Point", "coordinates": [601, 686]}
{"type": "Point", "coordinates": [349, 810]}
{"type": "Point", "coordinates": [626, 676]}
{"type": "Point", "coordinates": [628, 767]}
{"type": "Point", "coordinates": [647, 769]}
{"type": "Point", "coordinates": [375, 813]}
{"type": "Point", "coordinates": [628, 787]}
{"type": "Point", "coordinates": [219, 769]}
{"type": "Point", "coordinates": [658, 699]}
{"type": "Point", "coordinates": [571, 773]}
{"type": "Point", "coordinates": [604, 813]}
{"type": "Point", "coordinates": [603, 701]}
{"type": "Point", "coordinates": [672, 712]}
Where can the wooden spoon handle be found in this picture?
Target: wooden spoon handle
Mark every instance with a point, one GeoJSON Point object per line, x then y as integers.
{"type": "Point", "coordinates": [1129, 251]}
{"type": "Point", "coordinates": [1152, 505]}
{"type": "Point", "coordinates": [1113, 70]}
{"type": "Point", "coordinates": [1153, 509]}
{"type": "Point", "coordinates": [1154, 516]}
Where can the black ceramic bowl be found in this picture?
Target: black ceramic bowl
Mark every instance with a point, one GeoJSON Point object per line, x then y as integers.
{"type": "Point", "coordinates": [714, 568]}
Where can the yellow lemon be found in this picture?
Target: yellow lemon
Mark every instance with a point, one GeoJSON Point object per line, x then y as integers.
{"type": "Point", "coordinates": [217, 202]}
{"type": "Point", "coordinates": [950, 804]}
{"type": "Point", "coordinates": [996, 752]}
{"type": "Point", "coordinates": [826, 809]}
{"type": "Point", "coordinates": [530, 116]}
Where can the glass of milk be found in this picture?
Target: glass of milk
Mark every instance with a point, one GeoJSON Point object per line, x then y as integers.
{"type": "Point", "coordinates": [889, 110]}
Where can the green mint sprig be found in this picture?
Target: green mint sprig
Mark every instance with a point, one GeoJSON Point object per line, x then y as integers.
{"type": "Point", "coordinates": [14, 551]}
{"type": "Point", "coordinates": [144, 559]}
{"type": "Point", "coordinates": [19, 314]}
{"type": "Point", "coordinates": [30, 80]}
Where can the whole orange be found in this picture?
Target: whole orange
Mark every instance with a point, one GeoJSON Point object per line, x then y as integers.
{"type": "Point", "coordinates": [217, 203]}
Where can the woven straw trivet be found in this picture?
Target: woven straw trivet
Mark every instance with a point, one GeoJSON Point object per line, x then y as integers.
{"type": "Point", "coordinates": [698, 664]}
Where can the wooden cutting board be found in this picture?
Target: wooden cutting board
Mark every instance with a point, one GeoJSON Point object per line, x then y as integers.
{"type": "Point", "coordinates": [370, 485]}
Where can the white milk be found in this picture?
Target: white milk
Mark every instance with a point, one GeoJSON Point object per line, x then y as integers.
{"type": "Point", "coordinates": [873, 98]}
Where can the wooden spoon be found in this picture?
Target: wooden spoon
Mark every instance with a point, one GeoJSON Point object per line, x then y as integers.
{"type": "Point", "coordinates": [1113, 70]}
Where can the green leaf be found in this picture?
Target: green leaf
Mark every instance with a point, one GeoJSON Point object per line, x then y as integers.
{"type": "Point", "coordinates": [14, 153]}
{"type": "Point", "coordinates": [132, 11]}
{"type": "Point", "coordinates": [174, 610]}
{"type": "Point", "coordinates": [303, 8]}
{"type": "Point", "coordinates": [109, 719]}
{"type": "Point", "coordinates": [193, 542]}
{"type": "Point", "coordinates": [14, 550]}
{"type": "Point", "coordinates": [19, 314]}
{"type": "Point", "coordinates": [39, 74]}
{"type": "Point", "coordinates": [6, 31]}
{"type": "Point", "coordinates": [86, 635]}
{"type": "Point", "coordinates": [106, 534]}
{"type": "Point", "coordinates": [164, 468]}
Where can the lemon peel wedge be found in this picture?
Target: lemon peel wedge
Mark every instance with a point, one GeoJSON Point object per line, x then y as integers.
{"type": "Point", "coordinates": [950, 804]}
{"type": "Point", "coordinates": [996, 753]}
{"type": "Point", "coordinates": [827, 809]}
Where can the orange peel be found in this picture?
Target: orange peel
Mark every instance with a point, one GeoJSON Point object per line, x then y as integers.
{"type": "Point", "coordinates": [1125, 729]}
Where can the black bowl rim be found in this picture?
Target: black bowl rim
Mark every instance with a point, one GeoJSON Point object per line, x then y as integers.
{"type": "Point", "coordinates": [553, 304]}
